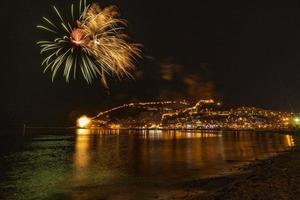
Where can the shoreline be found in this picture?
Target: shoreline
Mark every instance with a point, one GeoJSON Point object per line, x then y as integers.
{"type": "Point", "coordinates": [274, 178]}
{"type": "Point", "coordinates": [26, 126]}
{"type": "Point", "coordinates": [32, 130]}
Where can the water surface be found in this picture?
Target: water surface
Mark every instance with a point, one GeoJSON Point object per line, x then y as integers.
{"type": "Point", "coordinates": [124, 164]}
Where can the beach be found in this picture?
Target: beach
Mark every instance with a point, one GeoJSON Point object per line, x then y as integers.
{"type": "Point", "coordinates": [275, 178]}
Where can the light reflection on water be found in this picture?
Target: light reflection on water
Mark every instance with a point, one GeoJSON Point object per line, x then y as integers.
{"type": "Point", "coordinates": [169, 155]}
{"type": "Point", "coordinates": [111, 164]}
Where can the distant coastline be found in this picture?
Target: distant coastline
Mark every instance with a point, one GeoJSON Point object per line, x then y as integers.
{"type": "Point", "coordinates": [206, 114]}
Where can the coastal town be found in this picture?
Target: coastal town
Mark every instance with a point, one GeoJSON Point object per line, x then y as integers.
{"type": "Point", "coordinates": [205, 114]}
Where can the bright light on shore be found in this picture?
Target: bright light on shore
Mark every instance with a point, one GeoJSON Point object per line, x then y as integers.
{"type": "Point", "coordinates": [297, 119]}
{"type": "Point", "coordinates": [115, 126]}
{"type": "Point", "coordinates": [83, 121]}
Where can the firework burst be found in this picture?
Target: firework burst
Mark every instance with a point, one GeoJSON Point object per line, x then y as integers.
{"type": "Point", "coordinates": [92, 41]}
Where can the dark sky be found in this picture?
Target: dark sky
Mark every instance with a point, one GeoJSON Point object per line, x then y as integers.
{"type": "Point", "coordinates": [243, 53]}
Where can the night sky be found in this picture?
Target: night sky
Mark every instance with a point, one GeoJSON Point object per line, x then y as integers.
{"type": "Point", "coordinates": [242, 53]}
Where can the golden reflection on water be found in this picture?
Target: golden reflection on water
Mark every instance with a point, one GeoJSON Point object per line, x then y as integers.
{"type": "Point", "coordinates": [289, 140]}
{"type": "Point", "coordinates": [81, 157]}
{"type": "Point", "coordinates": [171, 153]}
{"type": "Point", "coordinates": [170, 135]}
{"type": "Point", "coordinates": [83, 131]}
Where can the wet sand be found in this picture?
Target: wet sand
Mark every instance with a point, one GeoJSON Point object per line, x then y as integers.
{"type": "Point", "coordinates": [274, 178]}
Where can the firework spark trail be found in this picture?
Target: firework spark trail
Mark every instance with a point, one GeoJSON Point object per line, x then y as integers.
{"type": "Point", "coordinates": [95, 42]}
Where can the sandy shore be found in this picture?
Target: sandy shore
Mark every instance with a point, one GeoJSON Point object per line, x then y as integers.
{"type": "Point", "coordinates": [274, 178]}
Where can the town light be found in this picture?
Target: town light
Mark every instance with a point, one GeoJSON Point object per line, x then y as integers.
{"type": "Point", "coordinates": [297, 119]}
{"type": "Point", "coordinates": [115, 126]}
{"type": "Point", "coordinates": [83, 121]}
